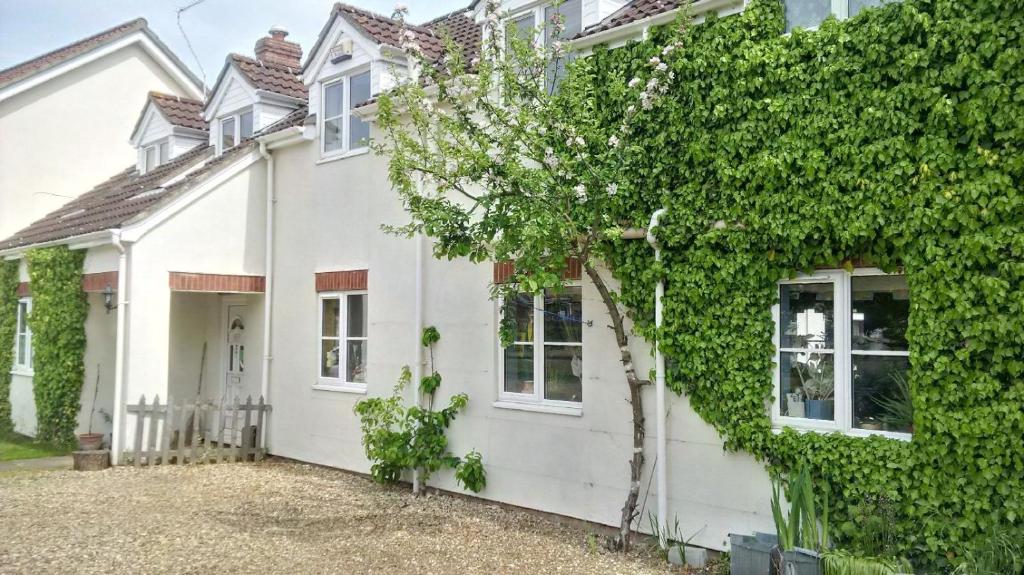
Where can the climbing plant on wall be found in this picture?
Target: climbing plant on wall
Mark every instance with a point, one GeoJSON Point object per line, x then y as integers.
{"type": "Point", "coordinates": [892, 138]}
{"type": "Point", "coordinates": [59, 309]}
{"type": "Point", "coordinates": [8, 327]}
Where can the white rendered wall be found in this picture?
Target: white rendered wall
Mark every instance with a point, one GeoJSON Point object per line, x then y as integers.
{"type": "Point", "coordinates": [328, 219]}
{"type": "Point", "coordinates": [82, 121]}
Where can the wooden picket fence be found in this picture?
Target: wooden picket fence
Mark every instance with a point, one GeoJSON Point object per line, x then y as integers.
{"type": "Point", "coordinates": [174, 430]}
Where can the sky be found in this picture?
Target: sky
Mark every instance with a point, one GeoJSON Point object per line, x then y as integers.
{"type": "Point", "coordinates": [29, 28]}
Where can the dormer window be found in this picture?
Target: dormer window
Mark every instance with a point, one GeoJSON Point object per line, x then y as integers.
{"type": "Point", "coordinates": [342, 132]}
{"type": "Point", "coordinates": [234, 129]}
{"type": "Point", "coordinates": [155, 154]}
{"type": "Point", "coordinates": [524, 25]}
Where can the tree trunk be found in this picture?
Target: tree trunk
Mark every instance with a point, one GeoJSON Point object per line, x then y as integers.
{"type": "Point", "coordinates": [636, 464]}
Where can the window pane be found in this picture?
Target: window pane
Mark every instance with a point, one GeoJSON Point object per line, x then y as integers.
{"type": "Point", "coordinates": [358, 133]}
{"type": "Point", "coordinates": [151, 158]}
{"type": "Point", "coordinates": [563, 372]}
{"type": "Point", "coordinates": [806, 13]}
{"type": "Point", "coordinates": [330, 314]}
{"type": "Point", "coordinates": [359, 89]}
{"type": "Point", "coordinates": [332, 135]}
{"type": "Point", "coordinates": [356, 365]}
{"type": "Point", "coordinates": [857, 5]}
{"type": "Point", "coordinates": [880, 310]}
{"type": "Point", "coordinates": [520, 309]}
{"type": "Point", "coordinates": [164, 152]}
{"type": "Point", "coordinates": [522, 28]}
{"type": "Point", "coordinates": [572, 16]}
{"type": "Point", "coordinates": [881, 395]}
{"type": "Point", "coordinates": [807, 385]}
{"type": "Point", "coordinates": [245, 124]}
{"type": "Point", "coordinates": [357, 315]}
{"type": "Point", "coordinates": [806, 315]}
{"type": "Point", "coordinates": [22, 349]}
{"type": "Point", "coordinates": [22, 317]}
{"type": "Point", "coordinates": [329, 358]}
{"type": "Point", "coordinates": [334, 100]}
{"type": "Point", "coordinates": [563, 316]}
{"type": "Point", "coordinates": [227, 133]}
{"type": "Point", "coordinates": [519, 369]}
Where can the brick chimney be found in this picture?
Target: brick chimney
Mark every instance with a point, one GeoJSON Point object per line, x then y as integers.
{"type": "Point", "coordinates": [274, 49]}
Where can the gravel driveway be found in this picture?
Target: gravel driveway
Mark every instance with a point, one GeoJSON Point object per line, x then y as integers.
{"type": "Point", "coordinates": [277, 517]}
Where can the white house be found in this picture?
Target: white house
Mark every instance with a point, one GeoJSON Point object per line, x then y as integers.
{"type": "Point", "coordinates": [254, 264]}
{"type": "Point", "coordinates": [89, 93]}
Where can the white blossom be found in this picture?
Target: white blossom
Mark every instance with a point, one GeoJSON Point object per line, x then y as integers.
{"type": "Point", "coordinates": [581, 191]}
{"type": "Point", "coordinates": [635, 82]}
{"type": "Point", "coordinates": [550, 159]}
{"type": "Point", "coordinates": [613, 142]}
{"type": "Point", "coordinates": [612, 189]}
{"type": "Point", "coordinates": [580, 141]}
{"type": "Point", "coordinates": [662, 67]}
{"type": "Point", "coordinates": [654, 61]}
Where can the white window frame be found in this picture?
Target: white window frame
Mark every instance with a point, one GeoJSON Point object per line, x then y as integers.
{"type": "Point", "coordinates": [346, 149]}
{"type": "Point", "coordinates": [538, 19]}
{"type": "Point", "coordinates": [23, 365]}
{"type": "Point", "coordinates": [155, 147]}
{"type": "Point", "coordinates": [339, 383]}
{"type": "Point", "coordinates": [536, 401]}
{"type": "Point", "coordinates": [842, 353]}
{"type": "Point", "coordinates": [236, 131]}
{"type": "Point", "coordinates": [839, 8]}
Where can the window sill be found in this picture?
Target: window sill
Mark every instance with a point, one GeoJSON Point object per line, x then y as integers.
{"type": "Point", "coordinates": [539, 407]}
{"type": "Point", "coordinates": [897, 435]}
{"type": "Point", "coordinates": [356, 388]}
{"type": "Point", "coordinates": [327, 158]}
{"type": "Point", "coordinates": [23, 372]}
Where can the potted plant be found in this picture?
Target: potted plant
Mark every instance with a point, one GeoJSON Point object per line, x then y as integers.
{"type": "Point", "coordinates": [897, 409]}
{"type": "Point", "coordinates": [818, 383]}
{"type": "Point", "coordinates": [803, 533]}
{"type": "Point", "coordinates": [92, 441]}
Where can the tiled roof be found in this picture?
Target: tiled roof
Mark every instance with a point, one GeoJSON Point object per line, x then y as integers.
{"type": "Point", "coordinates": [61, 55]}
{"type": "Point", "coordinates": [387, 31]}
{"type": "Point", "coordinates": [461, 29]}
{"type": "Point", "coordinates": [184, 112]}
{"type": "Point", "coordinates": [632, 12]}
{"type": "Point", "coordinates": [271, 77]}
{"type": "Point", "coordinates": [130, 196]}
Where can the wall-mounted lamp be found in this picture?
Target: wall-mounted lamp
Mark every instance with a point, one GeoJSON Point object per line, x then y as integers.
{"type": "Point", "coordinates": [108, 299]}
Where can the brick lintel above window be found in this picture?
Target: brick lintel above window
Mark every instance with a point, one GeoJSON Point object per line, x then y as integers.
{"type": "Point", "coordinates": [503, 271]}
{"type": "Point", "coordinates": [349, 280]}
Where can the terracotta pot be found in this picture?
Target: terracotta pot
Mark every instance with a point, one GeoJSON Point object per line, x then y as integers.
{"type": "Point", "coordinates": [90, 441]}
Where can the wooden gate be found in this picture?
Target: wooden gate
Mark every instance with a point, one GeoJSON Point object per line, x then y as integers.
{"type": "Point", "coordinates": [170, 433]}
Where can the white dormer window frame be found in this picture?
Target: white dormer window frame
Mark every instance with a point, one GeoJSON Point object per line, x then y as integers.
{"type": "Point", "coordinates": [238, 129]}
{"type": "Point", "coordinates": [155, 154]}
{"type": "Point", "coordinates": [538, 14]}
{"type": "Point", "coordinates": [348, 147]}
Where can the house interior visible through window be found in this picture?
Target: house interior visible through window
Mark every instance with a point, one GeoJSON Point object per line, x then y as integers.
{"type": "Point", "coordinates": [342, 130]}
{"type": "Point", "coordinates": [343, 338]}
{"type": "Point", "coordinates": [811, 13]}
{"type": "Point", "coordinates": [544, 363]}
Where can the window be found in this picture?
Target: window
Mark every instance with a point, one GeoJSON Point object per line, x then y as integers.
{"type": "Point", "coordinates": [811, 13]}
{"type": "Point", "coordinates": [544, 364]}
{"type": "Point", "coordinates": [842, 352]}
{"type": "Point", "coordinates": [23, 338]}
{"type": "Point", "coordinates": [151, 158]}
{"type": "Point", "coordinates": [524, 26]}
{"type": "Point", "coordinates": [342, 130]}
{"type": "Point", "coordinates": [343, 340]}
{"type": "Point", "coordinates": [235, 128]}
{"type": "Point", "coordinates": [227, 134]}
{"type": "Point", "coordinates": [164, 152]}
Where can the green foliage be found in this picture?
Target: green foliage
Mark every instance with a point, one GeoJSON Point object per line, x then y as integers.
{"type": "Point", "coordinates": [892, 138]}
{"type": "Point", "coordinates": [998, 553]}
{"type": "Point", "coordinates": [8, 330]}
{"type": "Point", "coordinates": [844, 563]}
{"type": "Point", "coordinates": [899, 407]}
{"type": "Point", "coordinates": [801, 525]}
{"type": "Point", "coordinates": [871, 527]}
{"type": "Point", "coordinates": [470, 472]}
{"type": "Point", "coordinates": [398, 438]}
{"type": "Point", "coordinates": [59, 309]}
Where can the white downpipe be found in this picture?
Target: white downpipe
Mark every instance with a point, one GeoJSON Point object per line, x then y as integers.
{"type": "Point", "coordinates": [268, 291]}
{"type": "Point", "coordinates": [661, 475]}
{"type": "Point", "coordinates": [117, 435]}
{"type": "Point", "coordinates": [417, 372]}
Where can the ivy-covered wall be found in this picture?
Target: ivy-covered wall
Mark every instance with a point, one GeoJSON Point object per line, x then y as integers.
{"type": "Point", "coordinates": [8, 328]}
{"type": "Point", "coordinates": [895, 138]}
{"type": "Point", "coordinates": [59, 309]}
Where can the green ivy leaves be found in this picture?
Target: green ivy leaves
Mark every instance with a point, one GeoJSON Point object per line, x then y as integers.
{"type": "Point", "coordinates": [8, 329]}
{"type": "Point", "coordinates": [59, 309]}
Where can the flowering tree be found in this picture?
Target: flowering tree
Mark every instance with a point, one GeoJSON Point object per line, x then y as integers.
{"type": "Point", "coordinates": [502, 158]}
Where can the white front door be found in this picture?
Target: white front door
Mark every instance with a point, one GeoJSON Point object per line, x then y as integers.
{"type": "Point", "coordinates": [237, 385]}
